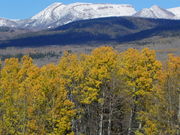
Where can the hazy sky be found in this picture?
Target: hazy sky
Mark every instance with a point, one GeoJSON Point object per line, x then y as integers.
{"type": "Point", "coordinates": [21, 9]}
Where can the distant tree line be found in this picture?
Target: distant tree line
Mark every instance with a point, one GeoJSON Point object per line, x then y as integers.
{"type": "Point", "coordinates": [37, 55]}
{"type": "Point", "coordinates": [101, 93]}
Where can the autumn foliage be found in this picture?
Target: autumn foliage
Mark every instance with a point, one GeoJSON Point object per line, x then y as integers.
{"type": "Point", "coordinates": [101, 93]}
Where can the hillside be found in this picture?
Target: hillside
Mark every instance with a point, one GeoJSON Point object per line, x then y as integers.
{"type": "Point", "coordinates": [110, 30]}
{"type": "Point", "coordinates": [9, 32]}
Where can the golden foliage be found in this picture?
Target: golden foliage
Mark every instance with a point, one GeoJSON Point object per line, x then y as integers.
{"type": "Point", "coordinates": [47, 100]}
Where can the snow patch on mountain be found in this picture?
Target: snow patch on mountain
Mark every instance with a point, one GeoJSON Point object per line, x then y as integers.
{"type": "Point", "coordinates": [175, 11]}
{"type": "Point", "coordinates": [155, 12]}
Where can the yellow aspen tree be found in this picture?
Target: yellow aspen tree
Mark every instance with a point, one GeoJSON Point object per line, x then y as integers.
{"type": "Point", "coordinates": [172, 93]}
{"type": "Point", "coordinates": [140, 70]}
{"type": "Point", "coordinates": [152, 98]}
{"type": "Point", "coordinates": [86, 76]}
{"type": "Point", "coordinates": [103, 66]}
{"type": "Point", "coordinates": [101, 78]}
{"type": "Point", "coordinates": [58, 109]}
{"type": "Point", "coordinates": [30, 96]}
{"type": "Point", "coordinates": [9, 89]}
{"type": "Point", "coordinates": [74, 70]}
{"type": "Point", "coordinates": [71, 74]}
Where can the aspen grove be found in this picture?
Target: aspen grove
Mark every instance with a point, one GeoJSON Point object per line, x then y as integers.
{"type": "Point", "coordinates": [105, 92]}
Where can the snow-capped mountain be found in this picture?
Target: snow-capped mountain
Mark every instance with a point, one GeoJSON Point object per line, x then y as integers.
{"type": "Point", "coordinates": [175, 11]}
{"type": "Point", "coordinates": [7, 23]}
{"type": "Point", "coordinates": [155, 12]}
{"type": "Point", "coordinates": [59, 14]}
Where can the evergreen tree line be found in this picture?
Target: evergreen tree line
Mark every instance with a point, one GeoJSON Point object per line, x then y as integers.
{"type": "Point", "coordinates": [101, 93]}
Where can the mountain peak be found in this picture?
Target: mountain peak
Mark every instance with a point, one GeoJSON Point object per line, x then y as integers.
{"type": "Point", "coordinates": [155, 12]}
{"type": "Point", "coordinates": [55, 4]}
{"type": "Point", "coordinates": [154, 7]}
{"type": "Point", "coordinates": [58, 14]}
{"type": "Point", "coordinates": [46, 13]}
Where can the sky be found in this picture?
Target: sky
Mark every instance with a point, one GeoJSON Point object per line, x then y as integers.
{"type": "Point", "coordinates": [22, 9]}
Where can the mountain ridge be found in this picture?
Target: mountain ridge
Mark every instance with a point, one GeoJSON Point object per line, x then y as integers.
{"type": "Point", "coordinates": [58, 14]}
{"type": "Point", "coordinates": [98, 31]}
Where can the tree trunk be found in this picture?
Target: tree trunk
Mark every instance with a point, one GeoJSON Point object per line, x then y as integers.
{"type": "Point", "coordinates": [169, 100]}
{"type": "Point", "coordinates": [25, 113]}
{"type": "Point", "coordinates": [132, 115]}
{"type": "Point", "coordinates": [179, 110]}
{"type": "Point", "coordinates": [140, 125]}
{"type": "Point", "coordinates": [101, 124]}
{"type": "Point", "coordinates": [110, 118]}
{"type": "Point", "coordinates": [101, 116]}
{"type": "Point", "coordinates": [130, 122]}
{"type": "Point", "coordinates": [178, 117]}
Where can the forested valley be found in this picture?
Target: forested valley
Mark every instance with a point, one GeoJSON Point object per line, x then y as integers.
{"type": "Point", "coordinates": [105, 92]}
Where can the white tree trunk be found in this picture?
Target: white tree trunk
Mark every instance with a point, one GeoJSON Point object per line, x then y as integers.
{"type": "Point", "coordinates": [110, 118]}
{"type": "Point", "coordinates": [130, 123]}
{"type": "Point", "coordinates": [179, 110]}
{"type": "Point", "coordinates": [101, 116]}
{"type": "Point", "coordinates": [101, 124]}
